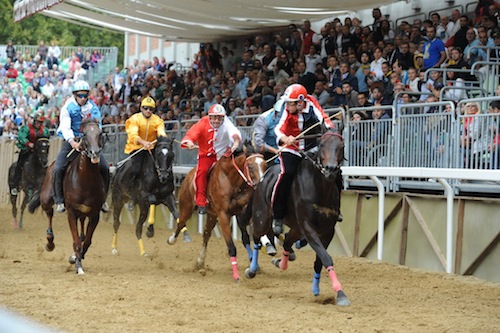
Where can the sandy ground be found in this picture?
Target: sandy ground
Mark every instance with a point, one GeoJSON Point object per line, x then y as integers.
{"type": "Point", "coordinates": [163, 292]}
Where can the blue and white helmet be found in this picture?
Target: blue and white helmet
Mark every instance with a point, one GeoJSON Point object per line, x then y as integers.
{"type": "Point", "coordinates": [81, 85]}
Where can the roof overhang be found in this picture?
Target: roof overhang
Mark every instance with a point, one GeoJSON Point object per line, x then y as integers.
{"type": "Point", "coordinates": [190, 20]}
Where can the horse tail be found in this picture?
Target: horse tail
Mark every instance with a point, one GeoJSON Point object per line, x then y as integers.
{"type": "Point", "coordinates": [34, 202]}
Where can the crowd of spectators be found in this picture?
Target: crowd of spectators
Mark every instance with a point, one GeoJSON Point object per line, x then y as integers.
{"type": "Point", "coordinates": [40, 82]}
{"type": "Point", "coordinates": [347, 63]}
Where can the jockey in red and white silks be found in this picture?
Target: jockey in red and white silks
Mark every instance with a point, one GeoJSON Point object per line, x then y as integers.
{"type": "Point", "coordinates": [215, 135]}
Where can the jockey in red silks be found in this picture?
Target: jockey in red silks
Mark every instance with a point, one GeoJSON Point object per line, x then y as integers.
{"type": "Point", "coordinates": [301, 112]}
{"type": "Point", "coordinates": [216, 136]}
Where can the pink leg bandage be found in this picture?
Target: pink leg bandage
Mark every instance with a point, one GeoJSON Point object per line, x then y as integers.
{"type": "Point", "coordinates": [333, 276]}
{"type": "Point", "coordinates": [284, 260]}
{"type": "Point", "coordinates": [234, 265]}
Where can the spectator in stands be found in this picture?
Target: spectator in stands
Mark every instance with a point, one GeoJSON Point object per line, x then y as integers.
{"type": "Point", "coordinates": [482, 9]}
{"type": "Point", "coordinates": [10, 51]}
{"type": "Point", "coordinates": [350, 95]}
{"type": "Point", "coordinates": [384, 32]}
{"type": "Point", "coordinates": [434, 50]}
{"type": "Point", "coordinates": [460, 37]}
{"type": "Point", "coordinates": [494, 131]}
{"type": "Point", "coordinates": [322, 95]}
{"type": "Point", "coordinates": [312, 58]}
{"type": "Point", "coordinates": [444, 29]}
{"type": "Point", "coordinates": [454, 79]}
{"type": "Point", "coordinates": [471, 53]}
{"type": "Point", "coordinates": [96, 56]}
{"type": "Point", "coordinates": [391, 53]}
{"type": "Point", "coordinates": [307, 79]}
{"type": "Point", "coordinates": [246, 63]}
{"type": "Point", "coordinates": [381, 128]}
{"type": "Point", "coordinates": [495, 53]}
{"type": "Point", "coordinates": [52, 60]}
{"type": "Point", "coordinates": [54, 49]}
{"type": "Point", "coordinates": [42, 50]}
{"type": "Point", "coordinates": [228, 61]}
{"type": "Point", "coordinates": [358, 138]}
{"type": "Point", "coordinates": [79, 54]}
{"type": "Point", "coordinates": [376, 65]}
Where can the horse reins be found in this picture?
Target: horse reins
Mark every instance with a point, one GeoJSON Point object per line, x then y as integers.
{"type": "Point", "coordinates": [248, 179]}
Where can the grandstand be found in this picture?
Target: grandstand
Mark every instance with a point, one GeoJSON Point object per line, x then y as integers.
{"type": "Point", "coordinates": [440, 117]}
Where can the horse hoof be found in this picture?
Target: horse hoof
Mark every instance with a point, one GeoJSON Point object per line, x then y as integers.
{"type": "Point", "coordinates": [342, 299]}
{"type": "Point", "coordinates": [50, 247]}
{"type": "Point", "coordinates": [114, 251]}
{"type": "Point", "coordinates": [292, 256]}
{"type": "Point", "coordinates": [187, 238]}
{"type": "Point", "coordinates": [249, 273]}
{"type": "Point", "coordinates": [80, 271]}
{"type": "Point", "coordinates": [276, 262]}
{"type": "Point", "coordinates": [72, 259]}
{"type": "Point", "coordinates": [171, 240]}
{"type": "Point", "coordinates": [150, 233]}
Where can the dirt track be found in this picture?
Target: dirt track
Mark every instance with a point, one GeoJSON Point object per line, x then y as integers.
{"type": "Point", "coordinates": [163, 293]}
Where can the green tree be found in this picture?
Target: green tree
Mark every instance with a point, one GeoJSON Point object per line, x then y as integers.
{"type": "Point", "coordinates": [40, 27]}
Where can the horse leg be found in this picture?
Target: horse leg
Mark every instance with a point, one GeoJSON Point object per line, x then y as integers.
{"type": "Point", "coordinates": [254, 264]}
{"type": "Point", "coordinates": [317, 275]}
{"type": "Point", "coordinates": [118, 202]}
{"type": "Point", "coordinates": [319, 246]}
{"type": "Point", "coordinates": [290, 238]}
{"type": "Point", "coordinates": [243, 220]}
{"type": "Point", "coordinates": [26, 198]}
{"type": "Point", "coordinates": [91, 226]}
{"type": "Point", "coordinates": [207, 232]}
{"type": "Point", "coordinates": [186, 206]}
{"type": "Point", "coordinates": [138, 227]}
{"type": "Point", "coordinates": [150, 232]}
{"type": "Point", "coordinates": [170, 203]}
{"type": "Point", "coordinates": [13, 201]}
{"type": "Point", "coordinates": [82, 229]}
{"type": "Point", "coordinates": [50, 232]}
{"type": "Point", "coordinates": [77, 243]}
{"type": "Point", "coordinates": [225, 226]}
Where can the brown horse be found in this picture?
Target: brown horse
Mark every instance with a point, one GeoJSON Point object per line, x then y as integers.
{"type": "Point", "coordinates": [84, 192]}
{"type": "Point", "coordinates": [231, 183]}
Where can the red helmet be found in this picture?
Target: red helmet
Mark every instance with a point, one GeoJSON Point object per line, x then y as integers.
{"type": "Point", "coordinates": [295, 93]}
{"type": "Point", "coordinates": [217, 110]}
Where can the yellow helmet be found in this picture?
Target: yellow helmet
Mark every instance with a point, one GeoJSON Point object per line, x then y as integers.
{"type": "Point", "coordinates": [148, 101]}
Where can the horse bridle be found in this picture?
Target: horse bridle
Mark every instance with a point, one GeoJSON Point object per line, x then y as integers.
{"type": "Point", "coordinates": [155, 163]}
{"type": "Point", "coordinates": [245, 175]}
{"type": "Point", "coordinates": [317, 163]}
{"type": "Point", "coordinates": [85, 151]}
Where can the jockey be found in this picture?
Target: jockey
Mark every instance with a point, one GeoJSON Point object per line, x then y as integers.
{"type": "Point", "coordinates": [216, 136]}
{"type": "Point", "coordinates": [142, 129]}
{"type": "Point", "coordinates": [26, 139]}
{"type": "Point", "coordinates": [301, 111]}
{"type": "Point", "coordinates": [264, 138]}
{"type": "Point", "coordinates": [76, 108]}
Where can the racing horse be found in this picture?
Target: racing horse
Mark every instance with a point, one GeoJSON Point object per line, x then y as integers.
{"type": "Point", "coordinates": [31, 177]}
{"type": "Point", "coordinates": [312, 211]}
{"type": "Point", "coordinates": [154, 187]}
{"type": "Point", "coordinates": [84, 192]}
{"type": "Point", "coordinates": [230, 184]}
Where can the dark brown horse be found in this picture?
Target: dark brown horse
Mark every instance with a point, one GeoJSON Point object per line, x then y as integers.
{"type": "Point", "coordinates": [231, 183]}
{"type": "Point", "coordinates": [84, 192]}
{"type": "Point", "coordinates": [154, 187]}
{"type": "Point", "coordinates": [312, 211]}
{"type": "Point", "coordinates": [32, 176]}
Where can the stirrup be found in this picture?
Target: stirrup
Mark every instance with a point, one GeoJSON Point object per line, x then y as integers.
{"type": "Point", "coordinates": [13, 191]}
{"type": "Point", "coordinates": [202, 210]}
{"type": "Point", "coordinates": [105, 207]}
{"type": "Point", "coordinates": [340, 218]}
{"type": "Point", "coordinates": [60, 208]}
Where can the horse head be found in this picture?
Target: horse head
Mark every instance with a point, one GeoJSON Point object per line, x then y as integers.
{"type": "Point", "coordinates": [163, 156]}
{"type": "Point", "coordinates": [92, 141]}
{"type": "Point", "coordinates": [41, 151]}
{"type": "Point", "coordinates": [331, 154]}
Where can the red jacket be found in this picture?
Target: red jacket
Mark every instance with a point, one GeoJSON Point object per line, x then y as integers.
{"type": "Point", "coordinates": [210, 140]}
